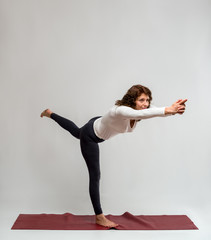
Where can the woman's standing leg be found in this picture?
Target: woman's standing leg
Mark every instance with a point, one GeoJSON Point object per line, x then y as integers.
{"type": "Point", "coordinates": [90, 151]}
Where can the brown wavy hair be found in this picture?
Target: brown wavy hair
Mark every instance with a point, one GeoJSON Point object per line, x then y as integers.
{"type": "Point", "coordinates": [132, 94]}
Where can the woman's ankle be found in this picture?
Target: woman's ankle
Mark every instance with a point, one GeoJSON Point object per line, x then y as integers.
{"type": "Point", "coordinates": [101, 215]}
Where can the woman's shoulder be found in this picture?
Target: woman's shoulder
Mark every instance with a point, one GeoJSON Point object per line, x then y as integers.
{"type": "Point", "coordinates": [117, 108]}
{"type": "Point", "coordinates": [121, 107]}
{"type": "Point", "coordinates": [121, 111]}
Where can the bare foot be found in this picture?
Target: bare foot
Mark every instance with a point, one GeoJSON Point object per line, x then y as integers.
{"type": "Point", "coordinates": [103, 221]}
{"type": "Point", "coordinates": [46, 113]}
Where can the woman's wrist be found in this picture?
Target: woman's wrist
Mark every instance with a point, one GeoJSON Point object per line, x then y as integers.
{"type": "Point", "coordinates": [168, 110]}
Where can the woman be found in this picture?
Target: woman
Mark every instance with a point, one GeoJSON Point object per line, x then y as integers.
{"type": "Point", "coordinates": [121, 118]}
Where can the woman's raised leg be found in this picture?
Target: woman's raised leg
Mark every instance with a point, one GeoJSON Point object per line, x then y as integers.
{"type": "Point", "coordinates": [63, 122]}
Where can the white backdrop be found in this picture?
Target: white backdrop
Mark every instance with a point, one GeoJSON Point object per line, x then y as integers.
{"type": "Point", "coordinates": [77, 58]}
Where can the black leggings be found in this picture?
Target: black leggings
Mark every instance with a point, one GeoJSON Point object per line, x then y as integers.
{"type": "Point", "coordinates": [90, 151]}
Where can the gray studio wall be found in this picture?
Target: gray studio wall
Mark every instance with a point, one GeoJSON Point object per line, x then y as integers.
{"type": "Point", "coordinates": [77, 58]}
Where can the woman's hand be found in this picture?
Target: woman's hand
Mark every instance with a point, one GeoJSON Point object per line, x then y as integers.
{"type": "Point", "coordinates": [176, 108]}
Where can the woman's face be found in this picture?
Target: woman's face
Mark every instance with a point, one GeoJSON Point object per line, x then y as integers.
{"type": "Point", "coordinates": [142, 102]}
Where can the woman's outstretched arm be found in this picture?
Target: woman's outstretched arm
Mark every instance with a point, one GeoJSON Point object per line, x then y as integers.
{"type": "Point", "coordinates": [127, 112]}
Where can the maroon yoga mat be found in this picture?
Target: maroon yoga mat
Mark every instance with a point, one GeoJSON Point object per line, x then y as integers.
{"type": "Point", "coordinates": [126, 221]}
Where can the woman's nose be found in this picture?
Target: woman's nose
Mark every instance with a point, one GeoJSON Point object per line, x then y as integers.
{"type": "Point", "coordinates": [146, 104]}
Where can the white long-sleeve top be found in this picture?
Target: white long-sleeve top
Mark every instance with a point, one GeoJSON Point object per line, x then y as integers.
{"type": "Point", "coordinates": [117, 120]}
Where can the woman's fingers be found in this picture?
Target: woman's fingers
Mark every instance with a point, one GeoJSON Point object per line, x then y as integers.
{"type": "Point", "coordinates": [181, 109]}
{"type": "Point", "coordinates": [178, 106]}
{"type": "Point", "coordinates": [182, 101]}
{"type": "Point", "coordinates": [181, 105]}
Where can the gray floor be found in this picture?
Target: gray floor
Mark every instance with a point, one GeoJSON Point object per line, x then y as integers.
{"type": "Point", "coordinates": [8, 216]}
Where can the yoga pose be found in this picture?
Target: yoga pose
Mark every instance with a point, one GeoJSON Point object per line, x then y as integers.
{"type": "Point", "coordinates": [121, 118]}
